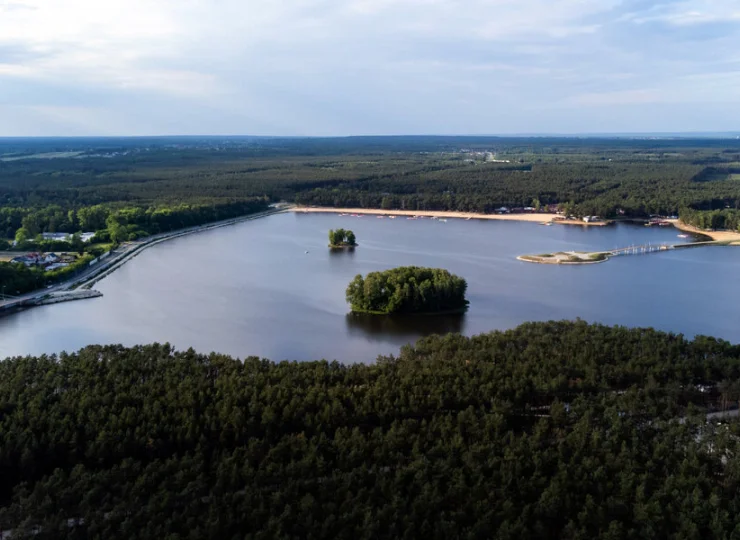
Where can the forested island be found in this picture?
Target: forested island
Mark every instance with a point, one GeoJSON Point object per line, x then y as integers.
{"type": "Point", "coordinates": [550, 430]}
{"type": "Point", "coordinates": [340, 238]}
{"type": "Point", "coordinates": [407, 289]}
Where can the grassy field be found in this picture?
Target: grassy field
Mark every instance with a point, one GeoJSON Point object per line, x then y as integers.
{"type": "Point", "coordinates": [6, 256]}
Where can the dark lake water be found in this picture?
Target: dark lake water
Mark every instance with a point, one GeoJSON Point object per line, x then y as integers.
{"type": "Point", "coordinates": [251, 289]}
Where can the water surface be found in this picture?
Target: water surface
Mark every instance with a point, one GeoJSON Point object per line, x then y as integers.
{"type": "Point", "coordinates": [251, 289]}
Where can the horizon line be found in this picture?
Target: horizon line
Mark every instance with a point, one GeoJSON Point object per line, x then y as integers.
{"type": "Point", "coordinates": [630, 134]}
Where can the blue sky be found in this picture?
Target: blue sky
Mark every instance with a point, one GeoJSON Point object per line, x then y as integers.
{"type": "Point", "coordinates": [352, 67]}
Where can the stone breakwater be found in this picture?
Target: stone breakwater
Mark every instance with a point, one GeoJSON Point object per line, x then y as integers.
{"type": "Point", "coordinates": [66, 296]}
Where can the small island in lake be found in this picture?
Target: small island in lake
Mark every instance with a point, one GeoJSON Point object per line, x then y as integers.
{"type": "Point", "coordinates": [408, 289]}
{"type": "Point", "coordinates": [341, 238]}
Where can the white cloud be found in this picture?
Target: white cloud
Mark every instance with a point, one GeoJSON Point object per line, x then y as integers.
{"type": "Point", "coordinates": [689, 12]}
{"type": "Point", "coordinates": [622, 97]}
{"type": "Point", "coordinates": [353, 66]}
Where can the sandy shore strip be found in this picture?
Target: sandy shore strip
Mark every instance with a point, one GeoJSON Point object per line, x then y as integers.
{"type": "Point", "coordinates": [721, 236]}
{"type": "Point", "coordinates": [540, 217]}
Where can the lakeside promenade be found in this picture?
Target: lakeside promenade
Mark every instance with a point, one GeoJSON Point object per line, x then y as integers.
{"type": "Point", "coordinates": [120, 256]}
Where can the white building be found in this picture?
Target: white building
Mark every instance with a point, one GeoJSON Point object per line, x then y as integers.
{"type": "Point", "coordinates": [66, 237]}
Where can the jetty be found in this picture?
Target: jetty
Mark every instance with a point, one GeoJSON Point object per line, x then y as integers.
{"type": "Point", "coordinates": [640, 250]}
{"type": "Point", "coordinates": [592, 257]}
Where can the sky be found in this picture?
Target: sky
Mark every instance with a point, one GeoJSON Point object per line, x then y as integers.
{"type": "Point", "coordinates": [367, 67]}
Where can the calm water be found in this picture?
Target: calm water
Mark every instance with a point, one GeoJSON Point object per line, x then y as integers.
{"type": "Point", "coordinates": [251, 289]}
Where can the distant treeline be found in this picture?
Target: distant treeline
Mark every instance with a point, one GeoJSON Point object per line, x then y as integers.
{"type": "Point", "coordinates": [407, 289]}
{"type": "Point", "coordinates": [551, 430]}
{"type": "Point", "coordinates": [589, 176]}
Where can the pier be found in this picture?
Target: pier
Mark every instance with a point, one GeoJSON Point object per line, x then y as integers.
{"type": "Point", "coordinates": [640, 250]}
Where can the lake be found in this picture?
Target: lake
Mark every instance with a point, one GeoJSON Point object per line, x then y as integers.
{"type": "Point", "coordinates": [251, 288]}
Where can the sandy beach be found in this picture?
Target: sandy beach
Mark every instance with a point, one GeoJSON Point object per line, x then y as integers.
{"type": "Point", "coordinates": [534, 217]}
{"type": "Point", "coordinates": [722, 236]}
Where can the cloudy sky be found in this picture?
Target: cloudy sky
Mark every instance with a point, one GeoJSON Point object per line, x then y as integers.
{"type": "Point", "coordinates": [343, 67]}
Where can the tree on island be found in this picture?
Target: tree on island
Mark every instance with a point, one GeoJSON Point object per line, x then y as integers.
{"type": "Point", "coordinates": [341, 238]}
{"type": "Point", "coordinates": [408, 289]}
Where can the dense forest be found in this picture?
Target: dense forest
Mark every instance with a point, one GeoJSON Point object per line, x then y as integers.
{"type": "Point", "coordinates": [712, 219]}
{"type": "Point", "coordinates": [550, 430]}
{"type": "Point", "coordinates": [189, 180]}
{"type": "Point", "coordinates": [407, 289]}
{"type": "Point", "coordinates": [342, 238]}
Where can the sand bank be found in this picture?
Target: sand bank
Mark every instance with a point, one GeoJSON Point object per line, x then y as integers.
{"type": "Point", "coordinates": [721, 236]}
{"type": "Point", "coordinates": [537, 217]}
{"type": "Point", "coordinates": [567, 257]}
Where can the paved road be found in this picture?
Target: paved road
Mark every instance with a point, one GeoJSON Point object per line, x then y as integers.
{"type": "Point", "coordinates": [115, 256]}
{"type": "Point", "coordinates": [126, 249]}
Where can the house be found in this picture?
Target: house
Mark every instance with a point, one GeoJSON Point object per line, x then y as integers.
{"type": "Point", "coordinates": [22, 260]}
{"type": "Point", "coordinates": [66, 237]}
{"type": "Point", "coordinates": [50, 258]}
{"type": "Point", "coordinates": [33, 258]}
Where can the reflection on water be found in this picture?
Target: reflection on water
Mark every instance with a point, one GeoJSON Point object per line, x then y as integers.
{"type": "Point", "coordinates": [272, 288]}
{"type": "Point", "coordinates": [350, 251]}
{"type": "Point", "coordinates": [404, 326]}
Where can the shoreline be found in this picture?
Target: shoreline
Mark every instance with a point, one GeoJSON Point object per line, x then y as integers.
{"type": "Point", "coordinates": [536, 259]}
{"type": "Point", "coordinates": [534, 217]}
{"type": "Point", "coordinates": [457, 311]}
{"type": "Point", "coordinates": [151, 241]}
{"type": "Point", "coordinates": [131, 250]}
{"type": "Point", "coordinates": [537, 217]}
{"type": "Point", "coordinates": [718, 236]}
